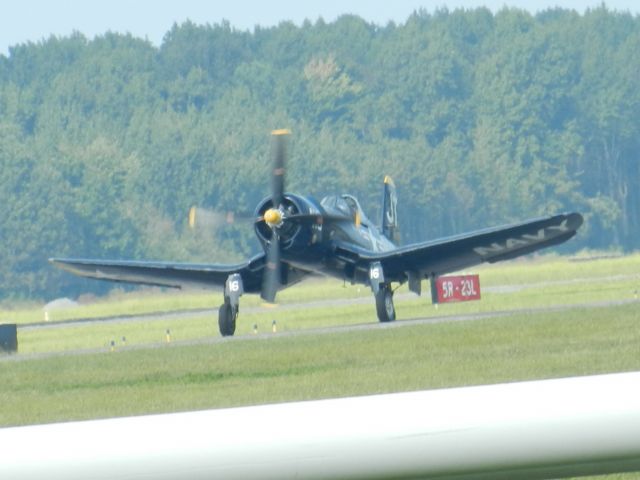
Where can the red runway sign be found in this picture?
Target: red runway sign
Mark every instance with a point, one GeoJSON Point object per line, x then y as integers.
{"type": "Point", "coordinates": [458, 288]}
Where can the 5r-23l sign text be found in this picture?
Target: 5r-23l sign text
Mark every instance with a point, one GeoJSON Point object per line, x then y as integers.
{"type": "Point", "coordinates": [458, 288]}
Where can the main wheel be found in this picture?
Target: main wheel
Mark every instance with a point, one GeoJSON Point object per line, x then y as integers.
{"type": "Point", "coordinates": [384, 304]}
{"type": "Point", "coordinates": [227, 319]}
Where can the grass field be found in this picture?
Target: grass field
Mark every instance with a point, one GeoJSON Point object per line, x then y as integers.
{"type": "Point", "coordinates": [263, 370]}
{"type": "Point", "coordinates": [274, 368]}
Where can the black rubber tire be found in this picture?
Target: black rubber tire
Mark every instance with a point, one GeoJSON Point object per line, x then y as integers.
{"type": "Point", "coordinates": [227, 320]}
{"type": "Point", "coordinates": [384, 304]}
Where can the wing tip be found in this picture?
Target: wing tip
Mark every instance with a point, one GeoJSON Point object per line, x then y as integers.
{"type": "Point", "coordinates": [574, 220]}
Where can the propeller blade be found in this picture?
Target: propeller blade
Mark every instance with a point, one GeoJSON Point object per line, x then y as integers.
{"type": "Point", "coordinates": [273, 217]}
{"type": "Point", "coordinates": [271, 279]}
{"type": "Point", "coordinates": [204, 217]}
{"type": "Point", "coordinates": [311, 218]}
{"type": "Point", "coordinates": [279, 160]}
{"type": "Point", "coordinates": [192, 217]}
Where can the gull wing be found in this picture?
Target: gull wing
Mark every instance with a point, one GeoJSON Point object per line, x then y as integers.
{"type": "Point", "coordinates": [167, 274]}
{"type": "Point", "coordinates": [454, 253]}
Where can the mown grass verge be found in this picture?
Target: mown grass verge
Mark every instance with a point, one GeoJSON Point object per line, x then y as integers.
{"type": "Point", "coordinates": [309, 366]}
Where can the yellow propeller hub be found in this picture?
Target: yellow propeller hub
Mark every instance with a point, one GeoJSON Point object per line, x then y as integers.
{"type": "Point", "coordinates": [273, 217]}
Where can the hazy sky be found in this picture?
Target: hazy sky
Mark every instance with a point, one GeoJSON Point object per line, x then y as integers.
{"type": "Point", "coordinates": [34, 20]}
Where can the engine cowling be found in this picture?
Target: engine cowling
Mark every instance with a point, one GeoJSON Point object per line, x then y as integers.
{"type": "Point", "coordinates": [289, 231]}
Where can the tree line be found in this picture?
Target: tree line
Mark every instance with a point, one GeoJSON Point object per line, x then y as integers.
{"type": "Point", "coordinates": [480, 118]}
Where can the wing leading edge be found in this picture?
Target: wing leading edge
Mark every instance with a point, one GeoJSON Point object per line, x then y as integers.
{"type": "Point", "coordinates": [450, 254]}
{"type": "Point", "coordinates": [174, 275]}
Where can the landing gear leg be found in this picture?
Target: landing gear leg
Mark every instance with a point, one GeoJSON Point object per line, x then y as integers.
{"type": "Point", "coordinates": [228, 311]}
{"type": "Point", "coordinates": [227, 315]}
{"type": "Point", "coordinates": [382, 292]}
{"type": "Point", "coordinates": [384, 303]}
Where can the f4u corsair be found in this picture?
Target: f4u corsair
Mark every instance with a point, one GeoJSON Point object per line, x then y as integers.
{"type": "Point", "coordinates": [301, 236]}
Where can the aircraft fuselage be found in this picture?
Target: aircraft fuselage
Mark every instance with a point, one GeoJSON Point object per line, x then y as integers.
{"type": "Point", "coordinates": [312, 246]}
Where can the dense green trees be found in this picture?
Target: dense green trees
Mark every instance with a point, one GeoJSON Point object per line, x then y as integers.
{"type": "Point", "coordinates": [481, 119]}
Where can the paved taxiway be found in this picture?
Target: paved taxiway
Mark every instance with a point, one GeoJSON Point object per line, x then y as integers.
{"type": "Point", "coordinates": [183, 314]}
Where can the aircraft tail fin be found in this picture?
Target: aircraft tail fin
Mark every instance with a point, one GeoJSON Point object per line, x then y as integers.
{"type": "Point", "coordinates": [389, 211]}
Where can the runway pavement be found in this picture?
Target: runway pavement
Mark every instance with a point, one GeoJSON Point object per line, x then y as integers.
{"type": "Point", "coordinates": [291, 333]}
{"type": "Point", "coordinates": [365, 300]}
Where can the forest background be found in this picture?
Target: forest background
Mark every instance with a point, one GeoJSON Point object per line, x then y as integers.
{"type": "Point", "coordinates": [480, 118]}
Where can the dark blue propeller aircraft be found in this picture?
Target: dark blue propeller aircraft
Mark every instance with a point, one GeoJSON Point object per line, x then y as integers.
{"type": "Point", "coordinates": [302, 236]}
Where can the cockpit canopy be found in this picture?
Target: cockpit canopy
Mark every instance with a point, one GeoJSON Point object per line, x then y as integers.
{"type": "Point", "coordinates": [346, 205]}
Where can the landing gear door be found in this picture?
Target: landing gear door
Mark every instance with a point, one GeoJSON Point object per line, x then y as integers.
{"type": "Point", "coordinates": [234, 288]}
{"type": "Point", "coordinates": [376, 276]}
